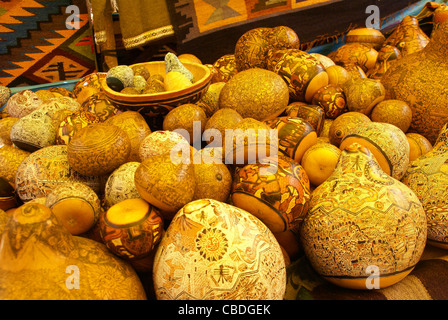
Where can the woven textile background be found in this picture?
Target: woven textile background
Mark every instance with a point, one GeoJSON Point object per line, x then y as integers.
{"type": "Point", "coordinates": [210, 28]}
{"type": "Point", "coordinates": [37, 47]}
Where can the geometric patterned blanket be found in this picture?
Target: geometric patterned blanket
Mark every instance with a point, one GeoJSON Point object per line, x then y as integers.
{"type": "Point", "coordinates": [37, 46]}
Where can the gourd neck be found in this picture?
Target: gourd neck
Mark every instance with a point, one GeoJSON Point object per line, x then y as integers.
{"type": "Point", "coordinates": [354, 158]}
{"type": "Point", "coordinates": [438, 44]}
{"type": "Point", "coordinates": [30, 225]}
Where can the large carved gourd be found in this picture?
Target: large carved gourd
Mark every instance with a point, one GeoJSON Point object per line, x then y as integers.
{"type": "Point", "coordinates": [419, 79]}
{"type": "Point", "coordinates": [427, 176]}
{"type": "Point", "coordinates": [362, 220]}
{"type": "Point", "coordinates": [41, 260]}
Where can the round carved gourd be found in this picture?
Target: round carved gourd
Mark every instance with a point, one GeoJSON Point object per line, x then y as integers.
{"type": "Point", "coordinates": [88, 86]}
{"type": "Point", "coordinates": [255, 93]}
{"type": "Point", "coordinates": [10, 159]}
{"type": "Point", "coordinates": [134, 124]}
{"type": "Point", "coordinates": [313, 114]}
{"type": "Point", "coordinates": [395, 112]}
{"type": "Point", "coordinates": [213, 177]}
{"type": "Point", "coordinates": [56, 104]}
{"type": "Point", "coordinates": [61, 92]}
{"type": "Point", "coordinates": [303, 73]}
{"type": "Point", "coordinates": [362, 95]}
{"type": "Point", "coordinates": [98, 149]}
{"type": "Point", "coordinates": [368, 36]}
{"type": "Point", "coordinates": [358, 54]}
{"type": "Point", "coordinates": [343, 124]}
{"type": "Point", "coordinates": [252, 48]}
{"type": "Point", "coordinates": [332, 99]}
{"type": "Point", "coordinates": [419, 80]}
{"type": "Point", "coordinates": [249, 141]}
{"type": "Point", "coordinates": [161, 142]}
{"type": "Point", "coordinates": [41, 171]}
{"type": "Point", "coordinates": [427, 176]}
{"type": "Point", "coordinates": [120, 184]}
{"type": "Point", "coordinates": [225, 68]}
{"type": "Point", "coordinates": [295, 136]}
{"type": "Point", "coordinates": [279, 198]}
{"type": "Point", "coordinates": [387, 142]}
{"type": "Point", "coordinates": [361, 218]}
{"type": "Point", "coordinates": [216, 125]}
{"type": "Point", "coordinates": [48, 263]}
{"type": "Point", "coordinates": [131, 229]}
{"type": "Point", "coordinates": [99, 105]}
{"type": "Point", "coordinates": [165, 182]}
{"type": "Point", "coordinates": [72, 123]}
{"type": "Point", "coordinates": [76, 206]}
{"type": "Point", "coordinates": [214, 256]}
{"type": "Point", "coordinates": [338, 75]}
{"type": "Point", "coordinates": [33, 131]}
{"type": "Point", "coordinates": [23, 103]}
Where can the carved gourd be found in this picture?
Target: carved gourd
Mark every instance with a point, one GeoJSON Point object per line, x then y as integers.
{"type": "Point", "coordinates": [41, 260]}
{"type": "Point", "coordinates": [361, 218]}
{"type": "Point", "coordinates": [427, 176]}
{"type": "Point", "coordinates": [419, 79]}
{"type": "Point", "coordinates": [408, 37]}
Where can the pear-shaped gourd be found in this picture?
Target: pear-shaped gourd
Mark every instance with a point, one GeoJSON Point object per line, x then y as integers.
{"type": "Point", "coordinates": [363, 224]}
{"type": "Point", "coordinates": [33, 131]}
{"type": "Point", "coordinates": [408, 37]}
{"type": "Point", "coordinates": [427, 176]}
{"type": "Point", "coordinates": [41, 260]}
{"type": "Point", "coordinates": [419, 79]}
{"type": "Point", "coordinates": [173, 64]}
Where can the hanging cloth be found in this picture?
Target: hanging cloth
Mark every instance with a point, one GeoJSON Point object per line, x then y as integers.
{"type": "Point", "coordinates": [141, 21]}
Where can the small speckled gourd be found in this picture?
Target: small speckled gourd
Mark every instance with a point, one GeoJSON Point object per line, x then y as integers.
{"type": "Point", "coordinates": [120, 77]}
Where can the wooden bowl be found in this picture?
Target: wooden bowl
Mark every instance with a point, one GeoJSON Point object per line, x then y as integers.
{"type": "Point", "coordinates": [156, 104]}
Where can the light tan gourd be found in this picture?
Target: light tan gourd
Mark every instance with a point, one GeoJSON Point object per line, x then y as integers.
{"type": "Point", "coordinates": [41, 260]}
{"type": "Point", "coordinates": [361, 217]}
{"type": "Point", "coordinates": [427, 176]}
